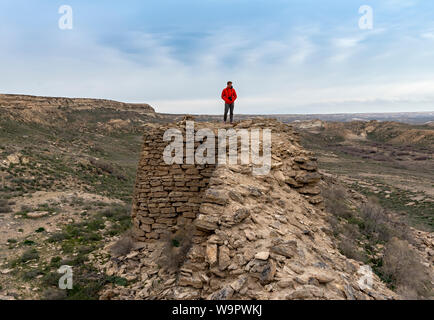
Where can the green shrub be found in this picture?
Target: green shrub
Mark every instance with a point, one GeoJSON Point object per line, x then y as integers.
{"type": "Point", "coordinates": [28, 242]}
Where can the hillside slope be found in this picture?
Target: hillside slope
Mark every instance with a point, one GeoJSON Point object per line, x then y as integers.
{"type": "Point", "coordinates": [67, 173]}
{"type": "Point", "coordinates": [13, 101]}
{"type": "Point", "coordinates": [256, 237]}
{"type": "Point", "coordinates": [384, 132]}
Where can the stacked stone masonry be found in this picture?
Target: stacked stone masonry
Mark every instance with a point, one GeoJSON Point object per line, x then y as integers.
{"type": "Point", "coordinates": [168, 196]}
{"type": "Point", "coordinates": [165, 195]}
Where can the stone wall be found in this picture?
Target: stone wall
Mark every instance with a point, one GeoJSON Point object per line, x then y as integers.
{"type": "Point", "coordinates": [169, 196]}
{"type": "Point", "coordinates": [166, 196]}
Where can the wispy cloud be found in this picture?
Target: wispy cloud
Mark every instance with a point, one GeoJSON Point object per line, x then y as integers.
{"type": "Point", "coordinates": [277, 65]}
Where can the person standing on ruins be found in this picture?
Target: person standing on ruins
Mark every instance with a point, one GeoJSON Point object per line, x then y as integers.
{"type": "Point", "coordinates": [229, 96]}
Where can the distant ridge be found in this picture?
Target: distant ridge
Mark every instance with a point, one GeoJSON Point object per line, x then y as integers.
{"type": "Point", "coordinates": [16, 101]}
{"type": "Point", "coordinates": [406, 117]}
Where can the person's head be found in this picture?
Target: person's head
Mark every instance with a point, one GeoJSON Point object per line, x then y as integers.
{"type": "Point", "coordinates": [229, 84]}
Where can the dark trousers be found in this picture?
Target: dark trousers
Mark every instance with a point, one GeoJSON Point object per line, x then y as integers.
{"type": "Point", "coordinates": [227, 108]}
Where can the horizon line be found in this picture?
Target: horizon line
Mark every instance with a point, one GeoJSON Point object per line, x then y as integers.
{"type": "Point", "coordinates": [216, 114]}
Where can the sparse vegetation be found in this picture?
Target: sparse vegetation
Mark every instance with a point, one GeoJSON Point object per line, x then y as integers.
{"type": "Point", "coordinates": [334, 198]}
{"type": "Point", "coordinates": [359, 232]}
{"type": "Point", "coordinates": [375, 223]}
{"type": "Point", "coordinates": [402, 268]}
{"type": "Point", "coordinates": [87, 284]}
{"type": "Point", "coordinates": [28, 255]}
{"type": "Point", "coordinates": [76, 242]}
{"type": "Point", "coordinates": [419, 214]}
{"type": "Point", "coordinates": [54, 294]}
{"type": "Point", "coordinates": [4, 206]}
{"type": "Point", "coordinates": [123, 246]}
{"type": "Point", "coordinates": [176, 247]}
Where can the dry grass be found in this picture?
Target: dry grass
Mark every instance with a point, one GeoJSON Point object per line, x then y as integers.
{"type": "Point", "coordinates": [102, 166]}
{"type": "Point", "coordinates": [176, 247]}
{"type": "Point", "coordinates": [348, 244]}
{"type": "Point", "coordinates": [401, 265]}
{"type": "Point", "coordinates": [334, 199]}
{"type": "Point", "coordinates": [123, 246]}
{"type": "Point", "coordinates": [376, 223]}
{"type": "Point", "coordinates": [4, 206]}
{"type": "Point", "coordinates": [350, 249]}
{"type": "Point", "coordinates": [347, 234]}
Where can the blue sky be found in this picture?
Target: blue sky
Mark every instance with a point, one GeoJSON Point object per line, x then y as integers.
{"type": "Point", "coordinates": [283, 56]}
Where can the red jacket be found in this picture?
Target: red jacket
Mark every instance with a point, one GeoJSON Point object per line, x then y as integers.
{"type": "Point", "coordinates": [229, 93]}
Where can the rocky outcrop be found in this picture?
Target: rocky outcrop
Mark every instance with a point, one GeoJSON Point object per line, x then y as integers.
{"type": "Point", "coordinates": [107, 115]}
{"type": "Point", "coordinates": [167, 196]}
{"type": "Point", "coordinates": [13, 101]}
{"type": "Point", "coordinates": [257, 237]}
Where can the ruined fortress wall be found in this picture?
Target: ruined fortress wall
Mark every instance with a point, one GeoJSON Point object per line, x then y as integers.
{"type": "Point", "coordinates": [254, 237]}
{"type": "Point", "coordinates": [166, 196]}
